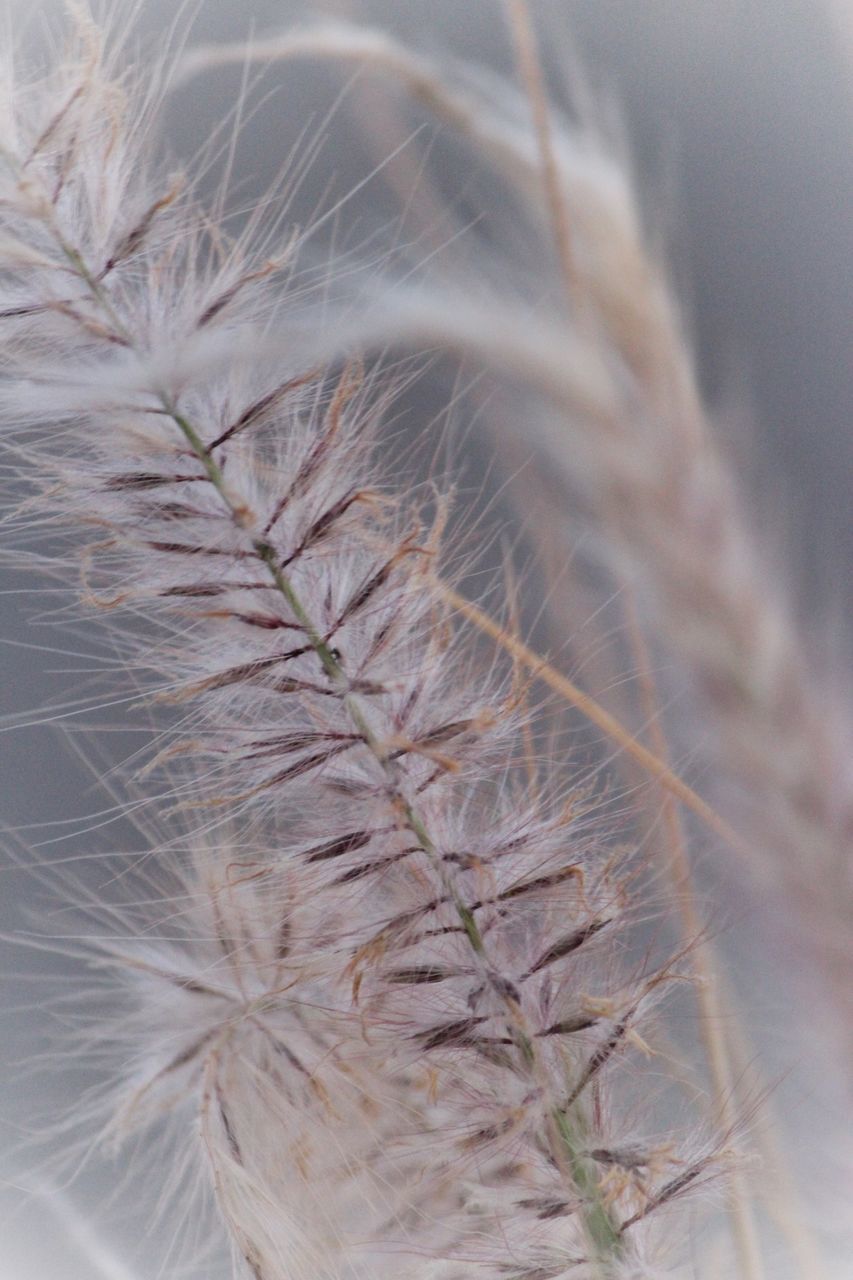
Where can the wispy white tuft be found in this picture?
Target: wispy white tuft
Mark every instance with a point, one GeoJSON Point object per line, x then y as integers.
{"type": "Point", "coordinates": [393, 1005]}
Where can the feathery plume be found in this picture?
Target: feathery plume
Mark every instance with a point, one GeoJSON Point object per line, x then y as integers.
{"type": "Point", "coordinates": [401, 997]}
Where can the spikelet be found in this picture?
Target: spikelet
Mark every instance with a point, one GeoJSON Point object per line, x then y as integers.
{"type": "Point", "coordinates": [399, 1015]}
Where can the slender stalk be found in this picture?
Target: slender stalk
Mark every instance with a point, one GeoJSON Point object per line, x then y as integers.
{"type": "Point", "coordinates": [708, 995]}
{"type": "Point", "coordinates": [530, 69]}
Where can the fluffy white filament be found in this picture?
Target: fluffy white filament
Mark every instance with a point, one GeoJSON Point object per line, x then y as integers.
{"type": "Point", "coordinates": [389, 997]}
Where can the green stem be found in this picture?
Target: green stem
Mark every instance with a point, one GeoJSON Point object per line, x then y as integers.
{"type": "Point", "coordinates": [602, 1228]}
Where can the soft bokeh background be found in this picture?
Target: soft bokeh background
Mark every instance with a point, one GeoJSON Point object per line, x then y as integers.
{"type": "Point", "coordinates": [738, 115]}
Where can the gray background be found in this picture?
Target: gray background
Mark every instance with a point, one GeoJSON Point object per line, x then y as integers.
{"type": "Point", "coordinates": [739, 114]}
